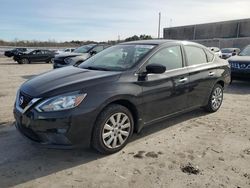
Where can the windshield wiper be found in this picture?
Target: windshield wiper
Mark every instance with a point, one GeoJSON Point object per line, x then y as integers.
{"type": "Point", "coordinates": [96, 68]}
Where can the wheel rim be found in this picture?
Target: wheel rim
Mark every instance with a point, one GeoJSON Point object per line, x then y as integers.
{"type": "Point", "coordinates": [116, 130]}
{"type": "Point", "coordinates": [25, 61]}
{"type": "Point", "coordinates": [217, 98]}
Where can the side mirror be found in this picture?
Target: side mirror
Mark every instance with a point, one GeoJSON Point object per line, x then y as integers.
{"type": "Point", "coordinates": [155, 68]}
{"type": "Point", "coordinates": [234, 54]}
{"type": "Point", "coordinates": [93, 52]}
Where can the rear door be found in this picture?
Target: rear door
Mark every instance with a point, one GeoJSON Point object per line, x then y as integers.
{"type": "Point", "coordinates": [165, 94]}
{"type": "Point", "coordinates": [202, 74]}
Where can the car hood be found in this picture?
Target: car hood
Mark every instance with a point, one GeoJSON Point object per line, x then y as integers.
{"type": "Point", "coordinates": [239, 59]}
{"type": "Point", "coordinates": [65, 80]}
{"type": "Point", "coordinates": [63, 55]}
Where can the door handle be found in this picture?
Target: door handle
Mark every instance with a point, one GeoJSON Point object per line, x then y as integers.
{"type": "Point", "coordinates": [211, 73]}
{"type": "Point", "coordinates": [183, 80]}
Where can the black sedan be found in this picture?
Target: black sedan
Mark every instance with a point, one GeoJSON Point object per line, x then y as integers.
{"type": "Point", "coordinates": [10, 53]}
{"type": "Point", "coordinates": [240, 64]}
{"type": "Point", "coordinates": [78, 55]}
{"type": "Point", "coordinates": [117, 92]}
{"type": "Point", "coordinates": [34, 56]}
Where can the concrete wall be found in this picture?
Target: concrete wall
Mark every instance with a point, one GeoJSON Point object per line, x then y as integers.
{"type": "Point", "coordinates": [234, 33]}
{"type": "Point", "coordinates": [225, 43]}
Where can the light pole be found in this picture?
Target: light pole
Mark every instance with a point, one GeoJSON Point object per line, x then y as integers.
{"type": "Point", "coordinates": [159, 25]}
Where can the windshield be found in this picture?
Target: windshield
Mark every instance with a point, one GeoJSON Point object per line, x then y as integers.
{"type": "Point", "coordinates": [245, 51]}
{"type": "Point", "coordinates": [84, 49]}
{"type": "Point", "coordinates": [117, 58]}
{"type": "Point", "coordinates": [227, 50]}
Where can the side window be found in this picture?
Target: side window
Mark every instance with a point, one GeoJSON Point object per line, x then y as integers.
{"type": "Point", "coordinates": [38, 52]}
{"type": "Point", "coordinates": [170, 57]}
{"type": "Point", "coordinates": [98, 49]}
{"type": "Point", "coordinates": [195, 55]}
{"type": "Point", "coordinates": [210, 56]}
{"type": "Point", "coordinates": [35, 52]}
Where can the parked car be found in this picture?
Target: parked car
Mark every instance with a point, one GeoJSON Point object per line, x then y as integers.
{"type": "Point", "coordinates": [10, 53]}
{"type": "Point", "coordinates": [34, 56]}
{"type": "Point", "coordinates": [216, 50]}
{"type": "Point", "coordinates": [102, 101]}
{"type": "Point", "coordinates": [66, 50]}
{"type": "Point", "coordinates": [240, 64]}
{"type": "Point", "coordinates": [228, 52]}
{"type": "Point", "coordinates": [77, 56]}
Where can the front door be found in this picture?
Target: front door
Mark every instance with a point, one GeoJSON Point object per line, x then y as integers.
{"type": "Point", "coordinates": [165, 94]}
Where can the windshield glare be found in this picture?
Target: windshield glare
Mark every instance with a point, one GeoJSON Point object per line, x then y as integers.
{"type": "Point", "coordinates": [245, 51]}
{"type": "Point", "coordinates": [84, 49]}
{"type": "Point", "coordinates": [117, 58]}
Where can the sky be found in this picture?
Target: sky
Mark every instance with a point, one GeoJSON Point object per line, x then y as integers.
{"type": "Point", "coordinates": [102, 20]}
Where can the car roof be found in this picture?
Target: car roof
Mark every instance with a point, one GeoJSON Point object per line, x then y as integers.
{"type": "Point", "coordinates": [162, 41]}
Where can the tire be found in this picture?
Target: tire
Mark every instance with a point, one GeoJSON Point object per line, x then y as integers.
{"type": "Point", "coordinates": [215, 99]}
{"type": "Point", "coordinates": [24, 61]}
{"type": "Point", "coordinates": [108, 137]}
{"type": "Point", "coordinates": [49, 61]}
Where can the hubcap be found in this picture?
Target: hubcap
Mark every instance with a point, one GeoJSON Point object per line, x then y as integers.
{"type": "Point", "coordinates": [217, 98]}
{"type": "Point", "coordinates": [116, 130]}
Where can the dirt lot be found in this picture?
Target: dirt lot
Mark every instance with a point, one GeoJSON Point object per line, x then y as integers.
{"type": "Point", "coordinates": [193, 150]}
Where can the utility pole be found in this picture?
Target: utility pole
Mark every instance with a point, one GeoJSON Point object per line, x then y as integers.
{"type": "Point", "coordinates": [159, 25]}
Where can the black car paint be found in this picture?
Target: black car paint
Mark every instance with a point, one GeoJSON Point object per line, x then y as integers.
{"type": "Point", "coordinates": [35, 56]}
{"type": "Point", "coordinates": [10, 53]}
{"type": "Point", "coordinates": [240, 67]}
{"type": "Point", "coordinates": [150, 98]}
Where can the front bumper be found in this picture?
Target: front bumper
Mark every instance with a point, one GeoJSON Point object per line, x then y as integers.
{"type": "Point", "coordinates": [56, 129]}
{"type": "Point", "coordinates": [240, 74]}
{"type": "Point", "coordinates": [58, 65]}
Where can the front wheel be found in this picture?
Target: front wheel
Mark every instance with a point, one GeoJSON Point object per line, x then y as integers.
{"type": "Point", "coordinates": [24, 61]}
{"type": "Point", "coordinates": [215, 99]}
{"type": "Point", "coordinates": [49, 61]}
{"type": "Point", "coordinates": [112, 130]}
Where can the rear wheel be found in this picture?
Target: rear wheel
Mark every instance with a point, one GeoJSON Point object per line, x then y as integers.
{"type": "Point", "coordinates": [215, 99]}
{"type": "Point", "coordinates": [113, 128]}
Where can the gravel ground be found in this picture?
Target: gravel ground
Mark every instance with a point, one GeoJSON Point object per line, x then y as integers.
{"type": "Point", "coordinates": [193, 150]}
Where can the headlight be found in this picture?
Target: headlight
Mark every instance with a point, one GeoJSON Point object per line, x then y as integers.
{"type": "Point", "coordinates": [62, 102]}
{"type": "Point", "coordinates": [68, 60]}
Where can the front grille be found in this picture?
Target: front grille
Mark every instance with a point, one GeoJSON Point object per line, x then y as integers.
{"type": "Point", "coordinates": [24, 100]}
{"type": "Point", "coordinates": [59, 61]}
